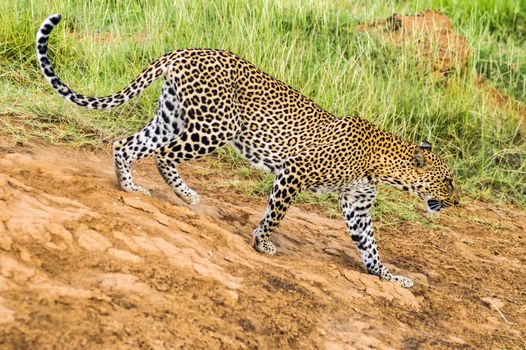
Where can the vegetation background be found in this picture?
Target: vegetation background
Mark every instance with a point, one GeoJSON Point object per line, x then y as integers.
{"type": "Point", "coordinates": [313, 46]}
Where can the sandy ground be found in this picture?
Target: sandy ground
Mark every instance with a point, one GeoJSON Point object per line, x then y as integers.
{"type": "Point", "coordinates": [84, 265]}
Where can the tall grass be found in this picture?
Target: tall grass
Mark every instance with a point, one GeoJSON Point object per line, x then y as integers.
{"type": "Point", "coordinates": [311, 45]}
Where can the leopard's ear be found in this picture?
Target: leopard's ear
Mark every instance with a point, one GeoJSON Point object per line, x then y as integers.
{"type": "Point", "coordinates": [420, 159]}
{"type": "Point", "coordinates": [425, 145]}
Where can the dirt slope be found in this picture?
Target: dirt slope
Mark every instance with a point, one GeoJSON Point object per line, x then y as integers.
{"type": "Point", "coordinates": [84, 265]}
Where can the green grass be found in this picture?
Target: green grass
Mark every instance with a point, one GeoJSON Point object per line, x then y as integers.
{"type": "Point", "coordinates": [311, 45]}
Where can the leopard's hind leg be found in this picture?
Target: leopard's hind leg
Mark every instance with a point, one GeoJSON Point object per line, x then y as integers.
{"type": "Point", "coordinates": [209, 121]}
{"type": "Point", "coordinates": [166, 125]}
{"type": "Point", "coordinates": [191, 144]}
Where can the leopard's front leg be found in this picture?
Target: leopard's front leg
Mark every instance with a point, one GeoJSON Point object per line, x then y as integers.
{"type": "Point", "coordinates": [286, 187]}
{"type": "Point", "coordinates": [356, 204]}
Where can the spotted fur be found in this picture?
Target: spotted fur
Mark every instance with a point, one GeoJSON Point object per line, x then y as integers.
{"type": "Point", "coordinates": [211, 98]}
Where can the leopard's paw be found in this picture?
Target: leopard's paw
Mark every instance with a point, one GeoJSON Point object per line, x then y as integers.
{"type": "Point", "coordinates": [402, 280]}
{"type": "Point", "coordinates": [188, 195]}
{"type": "Point", "coordinates": [385, 275]}
{"type": "Point", "coordinates": [136, 189]}
{"type": "Point", "coordinates": [192, 198]}
{"type": "Point", "coordinates": [264, 246]}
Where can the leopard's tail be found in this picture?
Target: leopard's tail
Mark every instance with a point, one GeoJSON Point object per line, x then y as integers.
{"type": "Point", "coordinates": [141, 82]}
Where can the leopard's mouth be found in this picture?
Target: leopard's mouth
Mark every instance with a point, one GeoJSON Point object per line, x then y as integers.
{"type": "Point", "coordinates": [434, 205]}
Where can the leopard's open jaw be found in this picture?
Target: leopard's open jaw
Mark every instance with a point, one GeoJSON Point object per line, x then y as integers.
{"type": "Point", "coordinates": [211, 98]}
{"type": "Point", "coordinates": [434, 205]}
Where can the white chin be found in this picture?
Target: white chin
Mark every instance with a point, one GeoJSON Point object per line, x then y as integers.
{"type": "Point", "coordinates": [432, 211]}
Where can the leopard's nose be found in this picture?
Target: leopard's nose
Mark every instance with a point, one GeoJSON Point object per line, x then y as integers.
{"type": "Point", "coordinates": [456, 198]}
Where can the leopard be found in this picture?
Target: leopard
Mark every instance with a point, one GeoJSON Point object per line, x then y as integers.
{"type": "Point", "coordinates": [212, 98]}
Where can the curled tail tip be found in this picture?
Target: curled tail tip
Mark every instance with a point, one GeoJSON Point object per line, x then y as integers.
{"type": "Point", "coordinates": [55, 18]}
{"type": "Point", "coordinates": [49, 24]}
{"type": "Point", "coordinates": [101, 103]}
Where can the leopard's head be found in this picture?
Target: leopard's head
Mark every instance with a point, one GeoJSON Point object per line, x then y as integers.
{"type": "Point", "coordinates": [419, 171]}
{"type": "Point", "coordinates": [433, 180]}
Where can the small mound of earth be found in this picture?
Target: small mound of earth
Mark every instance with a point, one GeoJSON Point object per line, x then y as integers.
{"type": "Point", "coordinates": [432, 35]}
{"type": "Point", "coordinates": [434, 40]}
